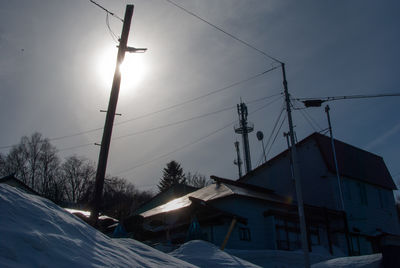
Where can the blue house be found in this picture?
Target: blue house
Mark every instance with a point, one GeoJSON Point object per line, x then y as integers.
{"type": "Point", "coordinates": [365, 182]}
{"type": "Point", "coordinates": [237, 215]}
{"type": "Point", "coordinates": [259, 210]}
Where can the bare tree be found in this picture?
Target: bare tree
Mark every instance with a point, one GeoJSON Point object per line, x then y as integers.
{"type": "Point", "coordinates": [120, 197]}
{"type": "Point", "coordinates": [77, 173]}
{"type": "Point", "coordinates": [50, 180]}
{"type": "Point", "coordinates": [3, 165]}
{"type": "Point", "coordinates": [197, 180]}
{"type": "Point", "coordinates": [16, 163]}
{"type": "Point", "coordinates": [35, 162]}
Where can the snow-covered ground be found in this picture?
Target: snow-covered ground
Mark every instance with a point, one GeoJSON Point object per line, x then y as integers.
{"type": "Point", "coordinates": [294, 259]}
{"type": "Point", "coordinates": [34, 232]}
{"type": "Point", "coordinates": [204, 254]}
{"type": "Point", "coordinates": [369, 261]}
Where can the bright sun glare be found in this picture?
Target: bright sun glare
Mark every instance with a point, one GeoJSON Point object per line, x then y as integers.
{"type": "Point", "coordinates": [133, 69]}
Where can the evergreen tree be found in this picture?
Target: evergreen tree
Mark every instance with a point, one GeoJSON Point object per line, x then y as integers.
{"type": "Point", "coordinates": [172, 174]}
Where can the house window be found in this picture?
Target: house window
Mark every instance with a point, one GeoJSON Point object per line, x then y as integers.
{"type": "Point", "coordinates": [244, 234]}
{"type": "Point", "coordinates": [287, 234]}
{"type": "Point", "coordinates": [363, 193]}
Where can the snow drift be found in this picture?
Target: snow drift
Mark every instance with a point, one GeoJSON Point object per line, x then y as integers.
{"type": "Point", "coordinates": [367, 261]}
{"type": "Point", "coordinates": [35, 232]}
{"type": "Point", "coordinates": [205, 254]}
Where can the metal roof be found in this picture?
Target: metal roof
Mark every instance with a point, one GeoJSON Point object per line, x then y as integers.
{"type": "Point", "coordinates": [353, 162]}
{"type": "Point", "coordinates": [212, 192]}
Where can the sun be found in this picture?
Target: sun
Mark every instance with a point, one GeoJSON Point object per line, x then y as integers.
{"type": "Point", "coordinates": [133, 69]}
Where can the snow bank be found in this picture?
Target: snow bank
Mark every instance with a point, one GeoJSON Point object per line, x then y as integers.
{"type": "Point", "coordinates": [34, 232]}
{"type": "Point", "coordinates": [367, 261]}
{"type": "Point", "coordinates": [204, 254]}
{"type": "Point", "coordinates": [295, 259]}
{"type": "Point", "coordinates": [283, 258]}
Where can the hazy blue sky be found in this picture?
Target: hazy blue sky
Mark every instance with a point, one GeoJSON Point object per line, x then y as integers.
{"type": "Point", "coordinates": [54, 78]}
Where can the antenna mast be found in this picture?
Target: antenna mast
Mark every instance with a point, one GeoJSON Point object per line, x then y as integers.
{"type": "Point", "coordinates": [238, 160]}
{"type": "Point", "coordinates": [244, 128]}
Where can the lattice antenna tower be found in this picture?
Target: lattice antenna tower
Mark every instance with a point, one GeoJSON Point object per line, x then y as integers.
{"type": "Point", "coordinates": [244, 128]}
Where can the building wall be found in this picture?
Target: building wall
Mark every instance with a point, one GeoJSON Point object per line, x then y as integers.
{"type": "Point", "coordinates": [261, 230]}
{"type": "Point", "coordinates": [317, 183]}
{"type": "Point", "coordinates": [369, 208]}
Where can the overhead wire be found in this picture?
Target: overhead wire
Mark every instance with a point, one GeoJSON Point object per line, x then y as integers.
{"type": "Point", "coordinates": [273, 131]}
{"type": "Point", "coordinates": [107, 11]}
{"type": "Point", "coordinates": [276, 135]}
{"type": "Point", "coordinates": [165, 108]}
{"type": "Point", "coordinates": [75, 147]}
{"type": "Point", "coordinates": [184, 120]}
{"type": "Point", "coordinates": [170, 124]}
{"type": "Point", "coordinates": [199, 97]}
{"type": "Point", "coordinates": [113, 35]}
{"type": "Point", "coordinates": [310, 120]}
{"type": "Point", "coordinates": [191, 143]}
{"type": "Point", "coordinates": [332, 98]}
{"type": "Point", "coordinates": [224, 31]}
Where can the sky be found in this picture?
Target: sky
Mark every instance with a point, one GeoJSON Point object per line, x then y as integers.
{"type": "Point", "coordinates": [56, 69]}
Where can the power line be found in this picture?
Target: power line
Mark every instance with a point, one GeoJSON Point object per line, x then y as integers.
{"type": "Point", "coordinates": [187, 120]}
{"type": "Point", "coordinates": [163, 109]}
{"type": "Point", "coordinates": [191, 143]}
{"type": "Point", "coordinates": [170, 124]}
{"type": "Point", "coordinates": [274, 127]}
{"type": "Point", "coordinates": [323, 99]}
{"type": "Point", "coordinates": [107, 11]}
{"type": "Point", "coordinates": [175, 123]}
{"type": "Point", "coordinates": [75, 147]}
{"type": "Point", "coordinates": [113, 35]}
{"type": "Point", "coordinates": [168, 107]}
{"type": "Point", "coordinates": [313, 123]}
{"type": "Point", "coordinates": [276, 135]}
{"type": "Point", "coordinates": [200, 97]}
{"type": "Point", "coordinates": [308, 120]}
{"type": "Point", "coordinates": [76, 134]}
{"type": "Point", "coordinates": [223, 31]}
{"type": "Point", "coordinates": [272, 133]}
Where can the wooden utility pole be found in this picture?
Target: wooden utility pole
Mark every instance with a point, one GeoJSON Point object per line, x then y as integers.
{"type": "Point", "coordinates": [112, 106]}
{"type": "Point", "coordinates": [296, 173]}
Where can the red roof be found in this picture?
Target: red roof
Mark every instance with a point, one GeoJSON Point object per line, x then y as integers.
{"type": "Point", "coordinates": [353, 162]}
